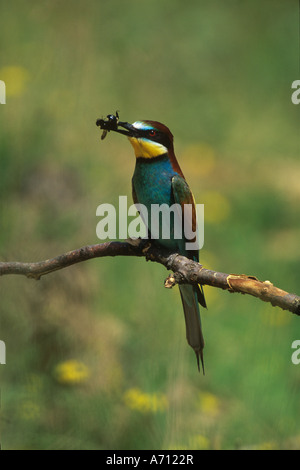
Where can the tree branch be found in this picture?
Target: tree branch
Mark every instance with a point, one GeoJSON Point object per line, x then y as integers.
{"type": "Point", "coordinates": [185, 271]}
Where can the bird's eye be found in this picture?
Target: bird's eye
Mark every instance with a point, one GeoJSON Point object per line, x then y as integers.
{"type": "Point", "coordinates": [152, 132]}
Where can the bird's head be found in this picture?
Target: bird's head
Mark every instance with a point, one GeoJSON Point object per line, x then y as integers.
{"type": "Point", "coordinates": [149, 139]}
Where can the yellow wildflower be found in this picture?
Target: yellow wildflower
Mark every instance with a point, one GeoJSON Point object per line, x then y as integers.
{"type": "Point", "coordinates": [209, 403]}
{"type": "Point", "coordinates": [143, 402]}
{"type": "Point", "coordinates": [71, 372]}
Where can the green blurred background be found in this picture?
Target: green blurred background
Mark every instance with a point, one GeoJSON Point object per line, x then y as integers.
{"type": "Point", "coordinates": [96, 354]}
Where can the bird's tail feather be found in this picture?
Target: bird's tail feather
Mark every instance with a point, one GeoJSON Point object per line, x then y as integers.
{"type": "Point", "coordinates": [190, 295]}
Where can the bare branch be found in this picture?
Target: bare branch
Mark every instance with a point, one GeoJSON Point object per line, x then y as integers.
{"type": "Point", "coordinates": [185, 271]}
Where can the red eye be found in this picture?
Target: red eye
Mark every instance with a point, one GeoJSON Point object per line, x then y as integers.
{"type": "Point", "coordinates": [152, 132]}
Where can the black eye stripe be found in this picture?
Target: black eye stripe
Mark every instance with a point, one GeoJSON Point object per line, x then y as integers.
{"type": "Point", "coordinates": [159, 136]}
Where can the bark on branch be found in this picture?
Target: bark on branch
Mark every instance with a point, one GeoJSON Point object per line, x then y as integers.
{"type": "Point", "coordinates": [184, 271]}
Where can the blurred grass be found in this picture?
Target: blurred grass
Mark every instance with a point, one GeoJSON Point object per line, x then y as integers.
{"type": "Point", "coordinates": [96, 354]}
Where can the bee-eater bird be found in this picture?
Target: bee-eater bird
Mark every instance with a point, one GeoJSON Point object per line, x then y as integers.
{"type": "Point", "coordinates": [158, 179]}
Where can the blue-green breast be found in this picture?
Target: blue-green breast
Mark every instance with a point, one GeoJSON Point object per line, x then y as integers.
{"type": "Point", "coordinates": [152, 184]}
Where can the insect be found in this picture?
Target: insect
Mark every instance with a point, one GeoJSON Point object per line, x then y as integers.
{"type": "Point", "coordinates": [109, 124]}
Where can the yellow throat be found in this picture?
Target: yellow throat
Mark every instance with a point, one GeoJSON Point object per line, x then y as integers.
{"type": "Point", "coordinates": [147, 148]}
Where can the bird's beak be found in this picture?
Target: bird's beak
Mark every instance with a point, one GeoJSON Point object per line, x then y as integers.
{"type": "Point", "coordinates": [130, 130]}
